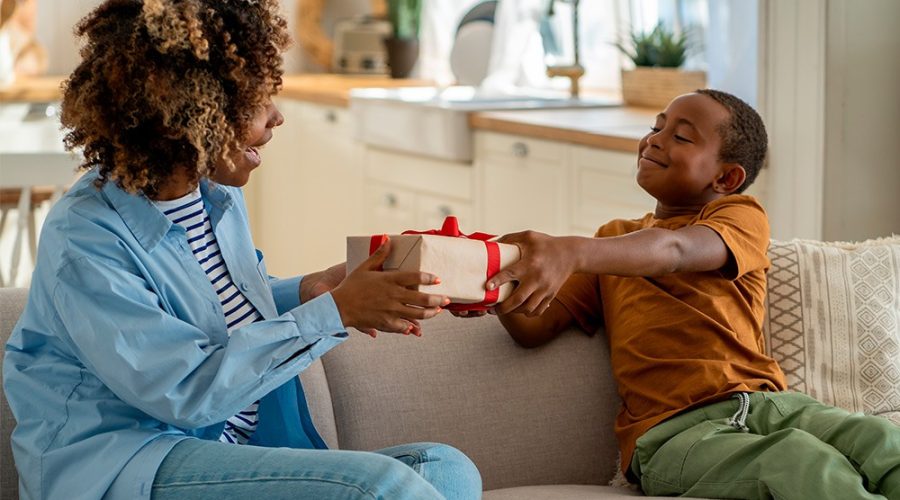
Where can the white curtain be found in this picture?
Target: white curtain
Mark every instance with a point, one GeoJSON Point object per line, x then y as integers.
{"type": "Point", "coordinates": [436, 33]}
{"type": "Point", "coordinates": [517, 54]}
{"type": "Point", "coordinates": [518, 59]}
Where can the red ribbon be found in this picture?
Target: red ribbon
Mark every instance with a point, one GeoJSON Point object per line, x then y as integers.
{"type": "Point", "coordinates": [451, 229]}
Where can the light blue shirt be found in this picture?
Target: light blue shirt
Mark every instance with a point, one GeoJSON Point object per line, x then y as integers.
{"type": "Point", "coordinates": [122, 349]}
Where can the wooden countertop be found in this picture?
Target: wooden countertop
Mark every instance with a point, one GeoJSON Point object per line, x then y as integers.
{"type": "Point", "coordinates": [618, 129]}
{"type": "Point", "coordinates": [34, 89]}
{"type": "Point", "coordinates": [333, 90]}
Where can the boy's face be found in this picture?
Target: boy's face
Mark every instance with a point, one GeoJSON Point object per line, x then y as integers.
{"type": "Point", "coordinates": [678, 161]}
{"type": "Point", "coordinates": [266, 119]}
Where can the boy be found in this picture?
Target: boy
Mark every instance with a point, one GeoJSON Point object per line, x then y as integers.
{"type": "Point", "coordinates": [681, 293]}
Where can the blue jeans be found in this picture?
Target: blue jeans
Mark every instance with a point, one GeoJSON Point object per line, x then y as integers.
{"type": "Point", "coordinates": [199, 469]}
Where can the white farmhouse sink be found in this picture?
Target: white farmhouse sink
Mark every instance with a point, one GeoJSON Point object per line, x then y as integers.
{"type": "Point", "coordinates": [433, 121]}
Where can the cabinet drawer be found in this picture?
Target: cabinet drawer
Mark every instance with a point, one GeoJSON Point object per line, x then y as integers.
{"type": "Point", "coordinates": [512, 146]}
{"type": "Point", "coordinates": [447, 178]}
{"type": "Point", "coordinates": [433, 210]}
{"type": "Point", "coordinates": [604, 188]}
{"type": "Point", "coordinates": [389, 209]}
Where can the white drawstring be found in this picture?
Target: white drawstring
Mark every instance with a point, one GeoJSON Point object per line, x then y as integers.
{"type": "Point", "coordinates": [739, 419]}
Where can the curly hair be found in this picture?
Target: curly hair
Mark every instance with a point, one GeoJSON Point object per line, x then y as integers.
{"type": "Point", "coordinates": [170, 84]}
{"type": "Point", "coordinates": [744, 138]}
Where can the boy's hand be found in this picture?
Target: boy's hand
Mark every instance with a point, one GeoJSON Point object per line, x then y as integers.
{"type": "Point", "coordinates": [369, 299]}
{"type": "Point", "coordinates": [544, 267]}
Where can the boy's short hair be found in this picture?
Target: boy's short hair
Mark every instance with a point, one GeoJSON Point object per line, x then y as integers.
{"type": "Point", "coordinates": [744, 138]}
{"type": "Point", "coordinates": [170, 84]}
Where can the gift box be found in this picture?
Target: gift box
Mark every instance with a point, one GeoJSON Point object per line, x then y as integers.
{"type": "Point", "coordinates": [463, 262]}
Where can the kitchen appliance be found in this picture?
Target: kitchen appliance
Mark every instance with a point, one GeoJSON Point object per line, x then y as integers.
{"type": "Point", "coordinates": [359, 46]}
{"type": "Point", "coordinates": [472, 44]}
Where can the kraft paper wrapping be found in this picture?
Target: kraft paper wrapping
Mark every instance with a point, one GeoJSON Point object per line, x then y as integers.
{"type": "Point", "coordinates": [460, 263]}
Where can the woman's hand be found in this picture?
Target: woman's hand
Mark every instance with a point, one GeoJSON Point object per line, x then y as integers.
{"type": "Point", "coordinates": [545, 265]}
{"type": "Point", "coordinates": [369, 299]}
{"type": "Point", "coordinates": [314, 284]}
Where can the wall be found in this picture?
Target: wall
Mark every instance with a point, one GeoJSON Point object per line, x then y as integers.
{"type": "Point", "coordinates": [829, 94]}
{"type": "Point", "coordinates": [862, 109]}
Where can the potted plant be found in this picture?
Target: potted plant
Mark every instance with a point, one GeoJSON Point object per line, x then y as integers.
{"type": "Point", "coordinates": [657, 78]}
{"type": "Point", "coordinates": [403, 45]}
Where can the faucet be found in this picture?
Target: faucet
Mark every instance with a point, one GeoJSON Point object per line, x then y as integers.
{"type": "Point", "coordinates": [572, 71]}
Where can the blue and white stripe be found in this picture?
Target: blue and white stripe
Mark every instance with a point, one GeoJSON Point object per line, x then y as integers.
{"type": "Point", "coordinates": [189, 213]}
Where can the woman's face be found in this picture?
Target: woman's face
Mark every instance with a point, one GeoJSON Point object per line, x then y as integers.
{"type": "Point", "coordinates": [248, 158]}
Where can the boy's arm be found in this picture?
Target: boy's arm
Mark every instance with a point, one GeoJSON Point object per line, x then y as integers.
{"type": "Point", "coordinates": [548, 261]}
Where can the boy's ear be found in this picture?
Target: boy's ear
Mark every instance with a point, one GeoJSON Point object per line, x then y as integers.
{"type": "Point", "coordinates": [730, 179]}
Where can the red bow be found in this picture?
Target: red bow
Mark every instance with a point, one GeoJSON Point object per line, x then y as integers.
{"type": "Point", "coordinates": [451, 229]}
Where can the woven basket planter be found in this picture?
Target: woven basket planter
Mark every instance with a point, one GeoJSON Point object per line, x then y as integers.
{"type": "Point", "coordinates": [656, 87]}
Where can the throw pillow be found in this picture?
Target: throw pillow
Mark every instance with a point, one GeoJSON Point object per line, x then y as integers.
{"type": "Point", "coordinates": [833, 321]}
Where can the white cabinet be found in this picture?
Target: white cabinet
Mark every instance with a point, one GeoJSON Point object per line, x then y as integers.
{"type": "Point", "coordinates": [308, 194]}
{"type": "Point", "coordinates": [522, 183]}
{"type": "Point", "coordinates": [405, 191]}
{"type": "Point", "coordinates": [603, 187]}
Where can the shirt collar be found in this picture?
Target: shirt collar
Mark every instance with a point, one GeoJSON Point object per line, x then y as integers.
{"type": "Point", "coordinates": [146, 222]}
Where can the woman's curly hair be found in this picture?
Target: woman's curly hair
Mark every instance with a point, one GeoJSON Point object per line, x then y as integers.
{"type": "Point", "coordinates": [169, 84]}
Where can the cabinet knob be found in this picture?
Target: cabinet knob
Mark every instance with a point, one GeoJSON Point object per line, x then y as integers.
{"type": "Point", "coordinates": [331, 116]}
{"type": "Point", "coordinates": [390, 199]}
{"type": "Point", "coordinates": [520, 149]}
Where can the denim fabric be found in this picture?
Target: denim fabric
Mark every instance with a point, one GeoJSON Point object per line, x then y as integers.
{"type": "Point", "coordinates": [122, 349]}
{"type": "Point", "coordinates": [197, 469]}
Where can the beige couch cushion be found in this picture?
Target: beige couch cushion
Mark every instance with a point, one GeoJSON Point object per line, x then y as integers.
{"type": "Point", "coordinates": [562, 491]}
{"type": "Point", "coordinates": [524, 416]}
{"type": "Point", "coordinates": [834, 321]}
{"type": "Point", "coordinates": [11, 304]}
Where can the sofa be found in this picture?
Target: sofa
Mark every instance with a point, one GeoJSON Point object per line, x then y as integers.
{"type": "Point", "coordinates": [538, 422]}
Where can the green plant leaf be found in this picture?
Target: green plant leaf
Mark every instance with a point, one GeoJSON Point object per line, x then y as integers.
{"type": "Point", "coordinates": [660, 47]}
{"type": "Point", "coordinates": [405, 17]}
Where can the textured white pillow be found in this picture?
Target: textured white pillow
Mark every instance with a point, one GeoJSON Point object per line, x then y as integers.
{"type": "Point", "coordinates": [833, 321]}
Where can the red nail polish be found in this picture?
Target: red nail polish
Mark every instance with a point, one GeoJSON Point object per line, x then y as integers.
{"type": "Point", "coordinates": [437, 281]}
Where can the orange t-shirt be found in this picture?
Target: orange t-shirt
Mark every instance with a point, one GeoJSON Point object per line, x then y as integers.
{"type": "Point", "coordinates": [683, 340]}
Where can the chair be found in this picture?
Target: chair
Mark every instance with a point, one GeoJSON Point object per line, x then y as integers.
{"type": "Point", "coordinates": [35, 170]}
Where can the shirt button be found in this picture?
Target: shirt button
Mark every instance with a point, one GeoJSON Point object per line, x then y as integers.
{"type": "Point", "coordinates": [244, 286]}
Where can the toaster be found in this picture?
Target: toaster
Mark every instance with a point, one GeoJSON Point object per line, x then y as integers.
{"type": "Point", "coordinates": [359, 46]}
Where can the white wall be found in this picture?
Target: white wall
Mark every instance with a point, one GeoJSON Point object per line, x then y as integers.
{"type": "Point", "coordinates": [862, 109]}
{"type": "Point", "coordinates": [830, 98]}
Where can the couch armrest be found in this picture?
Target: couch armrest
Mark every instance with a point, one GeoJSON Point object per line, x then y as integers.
{"type": "Point", "coordinates": [524, 416]}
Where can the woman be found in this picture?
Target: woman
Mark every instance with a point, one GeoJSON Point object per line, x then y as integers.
{"type": "Point", "coordinates": [155, 357]}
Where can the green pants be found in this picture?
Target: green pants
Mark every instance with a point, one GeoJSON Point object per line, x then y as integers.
{"type": "Point", "coordinates": [794, 448]}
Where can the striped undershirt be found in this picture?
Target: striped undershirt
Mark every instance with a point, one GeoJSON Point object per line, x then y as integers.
{"type": "Point", "coordinates": [189, 213]}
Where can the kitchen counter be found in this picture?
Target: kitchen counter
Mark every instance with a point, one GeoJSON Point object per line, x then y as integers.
{"type": "Point", "coordinates": [329, 89]}
{"type": "Point", "coordinates": [34, 89]}
{"type": "Point", "coordinates": [617, 129]}
{"type": "Point", "coordinates": [334, 90]}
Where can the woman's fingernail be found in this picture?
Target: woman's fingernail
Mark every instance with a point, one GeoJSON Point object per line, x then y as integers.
{"type": "Point", "coordinates": [446, 301]}
{"type": "Point", "coordinates": [436, 281]}
{"type": "Point", "coordinates": [439, 309]}
{"type": "Point", "coordinates": [491, 285]}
